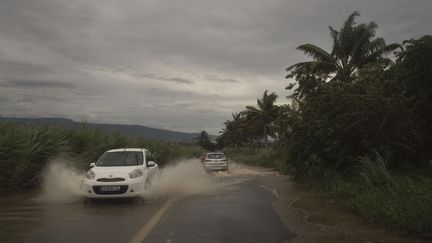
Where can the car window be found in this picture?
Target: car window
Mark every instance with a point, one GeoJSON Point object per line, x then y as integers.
{"type": "Point", "coordinates": [216, 156]}
{"type": "Point", "coordinates": [123, 158]}
{"type": "Point", "coordinates": [149, 157]}
{"type": "Point", "coordinates": [134, 158]}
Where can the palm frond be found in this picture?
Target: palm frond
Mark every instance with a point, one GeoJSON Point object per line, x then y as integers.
{"type": "Point", "coordinates": [363, 35]}
{"type": "Point", "coordinates": [336, 42]}
{"type": "Point", "coordinates": [375, 45]}
{"type": "Point", "coordinates": [251, 109]}
{"type": "Point", "coordinates": [378, 54]}
{"type": "Point", "coordinates": [312, 67]}
{"type": "Point", "coordinates": [351, 20]}
{"type": "Point", "coordinates": [354, 46]}
{"type": "Point", "coordinates": [317, 53]}
{"type": "Point", "coordinates": [346, 35]}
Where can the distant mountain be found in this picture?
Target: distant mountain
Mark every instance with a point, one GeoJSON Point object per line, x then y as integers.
{"type": "Point", "coordinates": [130, 130]}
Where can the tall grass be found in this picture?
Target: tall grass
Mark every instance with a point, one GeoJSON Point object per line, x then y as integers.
{"type": "Point", "coordinates": [26, 149]}
{"type": "Point", "coordinates": [258, 157]}
{"type": "Point", "coordinates": [402, 202]}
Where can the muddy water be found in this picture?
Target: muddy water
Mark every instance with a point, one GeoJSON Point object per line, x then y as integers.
{"type": "Point", "coordinates": [24, 218]}
{"type": "Point", "coordinates": [45, 216]}
{"type": "Point", "coordinates": [19, 216]}
{"type": "Point", "coordinates": [59, 214]}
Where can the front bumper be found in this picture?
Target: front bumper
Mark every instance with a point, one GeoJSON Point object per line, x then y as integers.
{"type": "Point", "coordinates": [128, 188]}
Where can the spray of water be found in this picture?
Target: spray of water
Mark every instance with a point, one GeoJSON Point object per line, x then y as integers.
{"type": "Point", "coordinates": [183, 177]}
{"type": "Point", "coordinates": [240, 170]}
{"type": "Point", "coordinates": [62, 183]}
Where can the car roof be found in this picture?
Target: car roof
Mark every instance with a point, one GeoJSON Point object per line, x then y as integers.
{"type": "Point", "coordinates": [127, 149]}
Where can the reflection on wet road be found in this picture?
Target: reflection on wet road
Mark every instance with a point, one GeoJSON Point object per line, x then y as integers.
{"type": "Point", "coordinates": [24, 219]}
{"type": "Point", "coordinates": [240, 213]}
{"type": "Point", "coordinates": [19, 216]}
{"type": "Point", "coordinates": [235, 209]}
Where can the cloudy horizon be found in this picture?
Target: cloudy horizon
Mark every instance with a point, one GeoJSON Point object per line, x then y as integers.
{"type": "Point", "coordinates": [177, 65]}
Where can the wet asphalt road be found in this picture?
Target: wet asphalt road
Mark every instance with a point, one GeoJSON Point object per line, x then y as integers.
{"type": "Point", "coordinates": [240, 211]}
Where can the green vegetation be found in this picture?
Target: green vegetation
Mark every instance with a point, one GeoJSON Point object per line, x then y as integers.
{"type": "Point", "coordinates": [402, 202]}
{"type": "Point", "coordinates": [26, 149]}
{"type": "Point", "coordinates": [203, 140]}
{"type": "Point", "coordinates": [265, 157]}
{"type": "Point", "coordinates": [359, 127]}
{"type": "Point", "coordinates": [265, 114]}
{"type": "Point", "coordinates": [252, 125]}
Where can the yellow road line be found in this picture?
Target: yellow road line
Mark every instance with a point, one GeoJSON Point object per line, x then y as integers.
{"type": "Point", "coordinates": [146, 229]}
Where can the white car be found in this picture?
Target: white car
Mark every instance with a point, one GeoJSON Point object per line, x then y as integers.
{"type": "Point", "coordinates": [125, 172]}
{"type": "Point", "coordinates": [215, 161]}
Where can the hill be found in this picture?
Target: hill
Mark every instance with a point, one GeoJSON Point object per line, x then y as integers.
{"type": "Point", "coordinates": [130, 130]}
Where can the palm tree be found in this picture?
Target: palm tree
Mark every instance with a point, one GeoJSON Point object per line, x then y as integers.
{"type": "Point", "coordinates": [264, 114]}
{"type": "Point", "coordinates": [354, 47]}
{"type": "Point", "coordinates": [234, 131]}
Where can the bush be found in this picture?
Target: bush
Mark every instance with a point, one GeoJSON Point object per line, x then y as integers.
{"type": "Point", "coordinates": [400, 202]}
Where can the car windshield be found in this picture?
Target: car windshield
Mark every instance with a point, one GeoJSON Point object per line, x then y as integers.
{"type": "Point", "coordinates": [123, 158]}
{"type": "Point", "coordinates": [215, 156]}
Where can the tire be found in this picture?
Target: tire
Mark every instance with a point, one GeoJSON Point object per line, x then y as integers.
{"type": "Point", "coordinates": [88, 201]}
{"type": "Point", "coordinates": [137, 200]}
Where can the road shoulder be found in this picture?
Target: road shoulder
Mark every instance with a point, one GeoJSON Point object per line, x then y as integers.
{"type": "Point", "coordinates": [315, 219]}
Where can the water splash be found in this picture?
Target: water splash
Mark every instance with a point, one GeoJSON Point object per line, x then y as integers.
{"type": "Point", "coordinates": [183, 177]}
{"type": "Point", "coordinates": [62, 183]}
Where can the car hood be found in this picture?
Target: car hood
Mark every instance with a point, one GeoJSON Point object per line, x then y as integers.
{"type": "Point", "coordinates": [113, 170]}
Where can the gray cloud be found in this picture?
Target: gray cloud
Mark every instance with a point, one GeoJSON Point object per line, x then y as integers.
{"type": "Point", "coordinates": [216, 78]}
{"type": "Point", "coordinates": [169, 79]}
{"type": "Point", "coordinates": [14, 68]}
{"type": "Point", "coordinates": [183, 65]}
{"type": "Point", "coordinates": [35, 84]}
{"type": "Point", "coordinates": [4, 99]}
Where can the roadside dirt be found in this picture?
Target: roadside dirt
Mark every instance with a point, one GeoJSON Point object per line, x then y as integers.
{"type": "Point", "coordinates": [315, 219]}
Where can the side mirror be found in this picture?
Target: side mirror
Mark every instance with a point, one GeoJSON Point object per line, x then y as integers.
{"type": "Point", "coordinates": [151, 163]}
{"type": "Point", "coordinates": [92, 164]}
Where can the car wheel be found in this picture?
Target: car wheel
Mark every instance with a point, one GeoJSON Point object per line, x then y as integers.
{"type": "Point", "coordinates": [87, 201]}
{"type": "Point", "coordinates": [137, 200]}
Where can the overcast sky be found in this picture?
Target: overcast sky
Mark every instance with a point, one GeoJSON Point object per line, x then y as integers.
{"type": "Point", "coordinates": [181, 65]}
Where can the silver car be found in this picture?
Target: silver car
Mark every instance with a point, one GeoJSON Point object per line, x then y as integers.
{"type": "Point", "coordinates": [215, 162]}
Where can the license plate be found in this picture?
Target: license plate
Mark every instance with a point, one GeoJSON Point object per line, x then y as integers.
{"type": "Point", "coordinates": [110, 188]}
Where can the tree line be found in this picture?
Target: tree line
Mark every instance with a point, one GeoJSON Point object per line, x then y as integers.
{"type": "Point", "coordinates": [362, 98]}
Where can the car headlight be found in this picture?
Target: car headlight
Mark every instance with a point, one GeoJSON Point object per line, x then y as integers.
{"type": "Point", "coordinates": [90, 175]}
{"type": "Point", "coordinates": [136, 173]}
